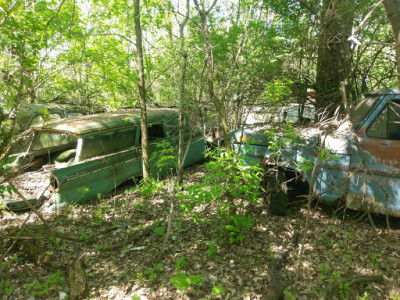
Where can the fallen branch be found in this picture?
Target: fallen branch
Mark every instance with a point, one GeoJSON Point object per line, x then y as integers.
{"type": "Point", "coordinates": [127, 242]}
{"type": "Point", "coordinates": [61, 235]}
{"type": "Point", "coordinates": [331, 291]}
{"type": "Point", "coordinates": [26, 235]}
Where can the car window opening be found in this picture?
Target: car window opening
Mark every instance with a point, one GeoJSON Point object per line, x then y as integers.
{"type": "Point", "coordinates": [154, 132]}
{"type": "Point", "coordinates": [387, 124]}
{"type": "Point", "coordinates": [52, 148]}
{"type": "Point", "coordinates": [107, 143]}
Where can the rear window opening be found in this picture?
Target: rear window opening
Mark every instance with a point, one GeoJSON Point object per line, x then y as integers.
{"type": "Point", "coordinates": [52, 148]}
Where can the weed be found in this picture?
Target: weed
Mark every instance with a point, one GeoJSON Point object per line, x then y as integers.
{"type": "Point", "coordinates": [90, 274]}
{"type": "Point", "coordinates": [324, 270]}
{"type": "Point", "coordinates": [164, 156]}
{"type": "Point", "coordinates": [9, 262]}
{"type": "Point", "coordinates": [153, 273]}
{"type": "Point", "coordinates": [158, 229]}
{"type": "Point", "coordinates": [239, 226]}
{"type": "Point", "coordinates": [150, 187]}
{"type": "Point", "coordinates": [181, 264]}
{"type": "Point", "coordinates": [374, 258]}
{"type": "Point", "coordinates": [344, 290]}
{"type": "Point", "coordinates": [123, 274]}
{"type": "Point", "coordinates": [288, 295]}
{"type": "Point", "coordinates": [54, 240]}
{"type": "Point", "coordinates": [5, 287]}
{"type": "Point", "coordinates": [212, 249]}
{"type": "Point", "coordinates": [365, 296]}
{"type": "Point", "coordinates": [85, 237]}
{"type": "Point", "coordinates": [98, 217]}
{"type": "Point", "coordinates": [218, 290]}
{"type": "Point", "coordinates": [40, 289]}
{"type": "Point", "coordinates": [183, 281]}
{"type": "Point", "coordinates": [327, 241]}
{"type": "Point", "coordinates": [140, 277]}
{"type": "Point", "coordinates": [228, 178]}
{"type": "Point", "coordinates": [394, 296]}
{"type": "Point", "coordinates": [178, 226]}
{"type": "Point", "coordinates": [142, 204]}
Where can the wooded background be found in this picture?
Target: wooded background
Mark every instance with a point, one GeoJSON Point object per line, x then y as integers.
{"type": "Point", "coordinates": [206, 55]}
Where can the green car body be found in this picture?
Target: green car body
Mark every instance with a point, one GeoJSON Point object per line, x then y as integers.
{"type": "Point", "coordinates": [96, 153]}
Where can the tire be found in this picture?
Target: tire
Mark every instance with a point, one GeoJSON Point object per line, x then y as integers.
{"type": "Point", "coordinates": [277, 191]}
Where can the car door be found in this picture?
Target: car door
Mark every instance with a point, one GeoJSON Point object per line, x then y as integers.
{"type": "Point", "coordinates": [375, 185]}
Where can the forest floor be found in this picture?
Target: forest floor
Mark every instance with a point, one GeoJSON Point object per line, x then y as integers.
{"type": "Point", "coordinates": [120, 240]}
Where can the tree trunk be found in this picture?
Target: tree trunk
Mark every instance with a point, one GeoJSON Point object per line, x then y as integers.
{"type": "Point", "coordinates": [142, 92]}
{"type": "Point", "coordinates": [334, 56]}
{"type": "Point", "coordinates": [392, 8]}
{"type": "Point", "coordinates": [182, 93]}
{"type": "Point", "coordinates": [219, 105]}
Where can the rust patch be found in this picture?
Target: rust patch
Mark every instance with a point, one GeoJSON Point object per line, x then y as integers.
{"type": "Point", "coordinates": [371, 204]}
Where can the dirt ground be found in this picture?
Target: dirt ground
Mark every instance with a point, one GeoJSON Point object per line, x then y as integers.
{"type": "Point", "coordinates": [121, 241]}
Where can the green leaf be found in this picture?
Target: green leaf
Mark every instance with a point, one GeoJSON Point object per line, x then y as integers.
{"type": "Point", "coordinates": [218, 290]}
{"type": "Point", "coordinates": [159, 267]}
{"type": "Point", "coordinates": [181, 282]}
{"type": "Point", "coordinates": [159, 230]}
{"type": "Point", "coordinates": [149, 271]}
{"type": "Point", "coordinates": [136, 297]}
{"type": "Point", "coordinates": [196, 279]}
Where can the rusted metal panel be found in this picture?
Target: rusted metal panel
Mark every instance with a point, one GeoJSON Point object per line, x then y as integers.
{"type": "Point", "coordinates": [377, 193]}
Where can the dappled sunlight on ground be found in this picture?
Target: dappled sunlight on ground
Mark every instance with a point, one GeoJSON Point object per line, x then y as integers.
{"type": "Point", "coordinates": [121, 242]}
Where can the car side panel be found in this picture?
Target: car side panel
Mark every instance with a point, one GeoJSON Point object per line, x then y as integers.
{"type": "Point", "coordinates": [85, 180]}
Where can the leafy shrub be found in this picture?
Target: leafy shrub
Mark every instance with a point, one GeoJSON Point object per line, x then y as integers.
{"type": "Point", "coordinates": [231, 184]}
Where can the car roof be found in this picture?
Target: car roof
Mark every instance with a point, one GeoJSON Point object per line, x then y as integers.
{"type": "Point", "coordinates": [96, 122]}
{"type": "Point", "coordinates": [29, 108]}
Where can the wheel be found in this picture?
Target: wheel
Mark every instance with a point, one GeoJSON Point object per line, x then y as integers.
{"type": "Point", "coordinates": [277, 191]}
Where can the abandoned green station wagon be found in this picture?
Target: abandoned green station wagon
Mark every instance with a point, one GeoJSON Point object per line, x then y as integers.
{"type": "Point", "coordinates": [91, 155]}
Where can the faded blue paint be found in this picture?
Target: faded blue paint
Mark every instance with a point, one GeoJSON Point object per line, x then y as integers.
{"type": "Point", "coordinates": [373, 185]}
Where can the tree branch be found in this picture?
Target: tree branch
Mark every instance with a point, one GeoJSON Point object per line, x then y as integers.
{"type": "Point", "coordinates": [8, 13]}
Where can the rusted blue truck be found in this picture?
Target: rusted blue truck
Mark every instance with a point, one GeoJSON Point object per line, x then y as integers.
{"type": "Point", "coordinates": [80, 158]}
{"type": "Point", "coordinates": [357, 162]}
